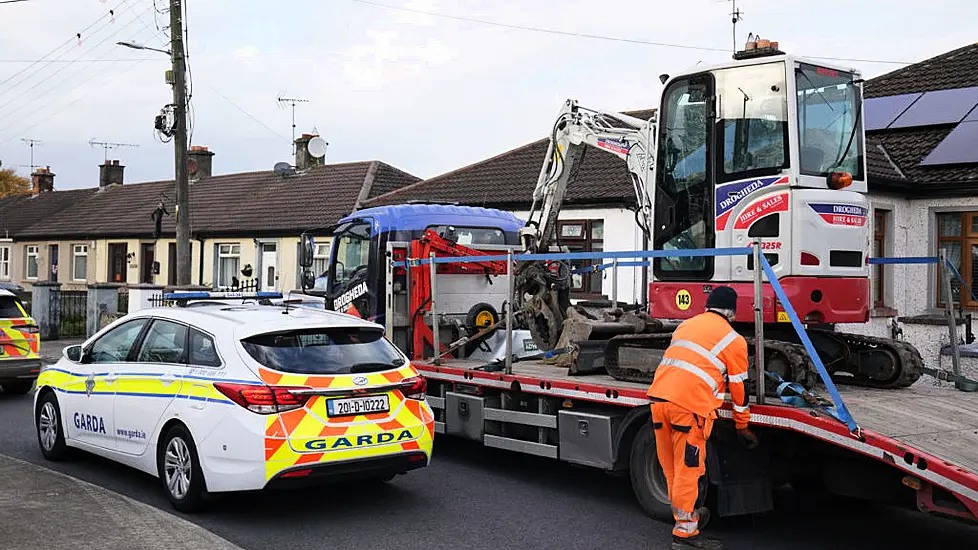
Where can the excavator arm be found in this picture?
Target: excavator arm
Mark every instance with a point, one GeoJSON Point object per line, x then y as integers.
{"type": "Point", "coordinates": [542, 295]}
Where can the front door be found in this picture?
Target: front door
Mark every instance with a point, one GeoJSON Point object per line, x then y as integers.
{"type": "Point", "coordinates": [149, 385]}
{"type": "Point", "coordinates": [118, 262]}
{"type": "Point", "coordinates": [147, 255]}
{"type": "Point", "coordinates": [53, 263]}
{"type": "Point", "coordinates": [89, 394]}
{"type": "Point", "coordinates": [269, 266]}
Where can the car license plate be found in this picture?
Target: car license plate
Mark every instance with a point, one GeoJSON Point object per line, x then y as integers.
{"type": "Point", "coordinates": [358, 405]}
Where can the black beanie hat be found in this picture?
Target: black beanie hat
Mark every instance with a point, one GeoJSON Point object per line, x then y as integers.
{"type": "Point", "coordinates": [722, 297]}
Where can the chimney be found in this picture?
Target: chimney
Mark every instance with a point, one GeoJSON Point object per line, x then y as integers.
{"type": "Point", "coordinates": [303, 159]}
{"type": "Point", "coordinates": [110, 173]}
{"type": "Point", "coordinates": [42, 180]}
{"type": "Point", "coordinates": [199, 162]}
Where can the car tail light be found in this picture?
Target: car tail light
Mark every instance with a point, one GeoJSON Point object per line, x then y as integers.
{"type": "Point", "coordinates": [414, 388]}
{"type": "Point", "coordinates": [297, 473]}
{"type": "Point", "coordinates": [27, 329]}
{"type": "Point", "coordinates": [263, 399]}
{"type": "Point", "coordinates": [809, 259]}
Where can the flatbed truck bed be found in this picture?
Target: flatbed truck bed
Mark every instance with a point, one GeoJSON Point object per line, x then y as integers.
{"type": "Point", "coordinates": [917, 444]}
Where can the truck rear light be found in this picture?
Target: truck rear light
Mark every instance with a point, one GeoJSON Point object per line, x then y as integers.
{"type": "Point", "coordinates": [414, 388]}
{"type": "Point", "coordinates": [264, 399]}
{"type": "Point", "coordinates": [809, 259]}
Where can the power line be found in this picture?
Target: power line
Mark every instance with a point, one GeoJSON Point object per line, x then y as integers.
{"type": "Point", "coordinates": [249, 115]}
{"type": "Point", "coordinates": [72, 60]}
{"type": "Point", "coordinates": [592, 36]}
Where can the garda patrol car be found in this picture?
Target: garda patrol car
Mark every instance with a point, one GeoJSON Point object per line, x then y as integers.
{"type": "Point", "coordinates": [19, 346]}
{"type": "Point", "coordinates": [222, 395]}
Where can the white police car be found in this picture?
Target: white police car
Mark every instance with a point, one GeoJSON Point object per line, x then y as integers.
{"type": "Point", "coordinates": [222, 395]}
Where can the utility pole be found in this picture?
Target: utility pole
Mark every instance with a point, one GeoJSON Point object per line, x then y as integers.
{"type": "Point", "coordinates": [180, 143]}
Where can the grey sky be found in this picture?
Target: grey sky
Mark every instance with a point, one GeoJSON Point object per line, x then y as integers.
{"type": "Point", "coordinates": [426, 94]}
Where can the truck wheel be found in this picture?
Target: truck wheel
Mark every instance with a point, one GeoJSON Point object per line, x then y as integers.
{"type": "Point", "coordinates": [480, 316]}
{"type": "Point", "coordinates": [648, 481]}
{"type": "Point", "coordinates": [18, 388]}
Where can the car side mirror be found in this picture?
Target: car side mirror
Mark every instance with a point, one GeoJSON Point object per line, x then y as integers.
{"type": "Point", "coordinates": [73, 353]}
{"type": "Point", "coordinates": [307, 249]}
{"type": "Point", "coordinates": [308, 279]}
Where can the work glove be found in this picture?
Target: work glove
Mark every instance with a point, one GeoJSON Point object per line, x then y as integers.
{"type": "Point", "coordinates": [747, 438]}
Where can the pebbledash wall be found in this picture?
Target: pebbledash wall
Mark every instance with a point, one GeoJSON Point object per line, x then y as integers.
{"type": "Point", "coordinates": [910, 291]}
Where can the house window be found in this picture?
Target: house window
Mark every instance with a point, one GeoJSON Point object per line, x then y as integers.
{"type": "Point", "coordinates": [320, 259]}
{"type": "Point", "coordinates": [79, 262]}
{"type": "Point", "coordinates": [583, 236]}
{"type": "Point", "coordinates": [957, 233]}
{"type": "Point", "coordinates": [32, 255]}
{"type": "Point", "coordinates": [5, 263]}
{"type": "Point", "coordinates": [228, 263]}
{"type": "Point", "coordinates": [880, 219]}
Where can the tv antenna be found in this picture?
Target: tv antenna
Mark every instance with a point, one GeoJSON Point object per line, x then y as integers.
{"type": "Point", "coordinates": [106, 145]}
{"type": "Point", "coordinates": [735, 16]}
{"type": "Point", "coordinates": [292, 101]}
{"type": "Point", "coordinates": [31, 143]}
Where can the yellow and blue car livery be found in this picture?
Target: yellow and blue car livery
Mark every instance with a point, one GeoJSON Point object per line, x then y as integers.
{"type": "Point", "coordinates": [254, 421]}
{"type": "Point", "coordinates": [20, 343]}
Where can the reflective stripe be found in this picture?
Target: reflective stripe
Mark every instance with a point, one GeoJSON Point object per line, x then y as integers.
{"type": "Point", "coordinates": [705, 353]}
{"type": "Point", "coordinates": [723, 396]}
{"type": "Point", "coordinates": [689, 367]}
{"type": "Point", "coordinates": [722, 344]}
{"type": "Point", "coordinates": [738, 408]}
{"type": "Point", "coordinates": [738, 377]}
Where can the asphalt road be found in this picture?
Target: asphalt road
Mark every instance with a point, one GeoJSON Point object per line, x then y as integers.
{"type": "Point", "coordinates": [476, 498]}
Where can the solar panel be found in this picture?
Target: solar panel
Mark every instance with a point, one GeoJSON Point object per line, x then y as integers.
{"type": "Point", "coordinates": [960, 146]}
{"type": "Point", "coordinates": [881, 111]}
{"type": "Point", "coordinates": [940, 107]}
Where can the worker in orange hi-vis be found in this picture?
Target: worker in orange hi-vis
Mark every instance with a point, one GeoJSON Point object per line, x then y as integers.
{"type": "Point", "coordinates": [706, 359]}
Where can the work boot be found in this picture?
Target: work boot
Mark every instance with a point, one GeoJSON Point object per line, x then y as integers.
{"type": "Point", "coordinates": [704, 514]}
{"type": "Point", "coordinates": [699, 541]}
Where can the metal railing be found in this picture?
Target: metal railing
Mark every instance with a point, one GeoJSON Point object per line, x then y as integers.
{"type": "Point", "coordinates": [636, 259]}
{"type": "Point", "coordinates": [74, 313]}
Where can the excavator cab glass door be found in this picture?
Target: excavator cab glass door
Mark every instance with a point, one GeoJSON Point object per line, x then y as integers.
{"type": "Point", "coordinates": [352, 274]}
{"type": "Point", "coordinates": [684, 186]}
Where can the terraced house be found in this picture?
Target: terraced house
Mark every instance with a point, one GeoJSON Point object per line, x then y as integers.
{"type": "Point", "coordinates": [245, 227]}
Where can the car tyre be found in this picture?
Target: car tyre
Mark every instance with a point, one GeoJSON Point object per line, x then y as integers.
{"type": "Point", "coordinates": [179, 470]}
{"type": "Point", "coordinates": [50, 429]}
{"type": "Point", "coordinates": [18, 388]}
{"type": "Point", "coordinates": [648, 480]}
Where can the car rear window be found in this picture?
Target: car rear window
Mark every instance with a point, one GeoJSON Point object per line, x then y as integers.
{"type": "Point", "coordinates": [9, 309]}
{"type": "Point", "coordinates": [332, 350]}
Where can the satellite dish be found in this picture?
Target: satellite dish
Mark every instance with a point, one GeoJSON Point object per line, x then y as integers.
{"type": "Point", "coordinates": [282, 169]}
{"type": "Point", "coordinates": [317, 147]}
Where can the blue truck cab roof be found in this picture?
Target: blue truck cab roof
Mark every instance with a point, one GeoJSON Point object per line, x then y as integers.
{"type": "Point", "coordinates": [417, 217]}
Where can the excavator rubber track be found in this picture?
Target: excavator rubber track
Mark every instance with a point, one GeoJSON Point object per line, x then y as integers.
{"type": "Point", "coordinates": [633, 358]}
{"type": "Point", "coordinates": [846, 360]}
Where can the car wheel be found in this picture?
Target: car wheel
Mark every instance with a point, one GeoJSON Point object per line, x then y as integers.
{"type": "Point", "coordinates": [50, 431]}
{"type": "Point", "coordinates": [180, 472]}
{"type": "Point", "coordinates": [648, 480]}
{"type": "Point", "coordinates": [18, 388]}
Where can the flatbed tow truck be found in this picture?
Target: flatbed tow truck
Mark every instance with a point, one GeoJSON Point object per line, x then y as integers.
{"type": "Point", "coordinates": [445, 279]}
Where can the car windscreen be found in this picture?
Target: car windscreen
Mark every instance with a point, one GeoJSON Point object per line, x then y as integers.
{"type": "Point", "coordinates": [332, 350]}
{"type": "Point", "coordinates": [9, 309]}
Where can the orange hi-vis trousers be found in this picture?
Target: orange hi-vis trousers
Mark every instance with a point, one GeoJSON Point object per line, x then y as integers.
{"type": "Point", "coordinates": [680, 443]}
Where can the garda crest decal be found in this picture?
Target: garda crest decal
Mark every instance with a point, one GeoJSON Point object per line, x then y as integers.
{"type": "Point", "coordinates": [365, 440]}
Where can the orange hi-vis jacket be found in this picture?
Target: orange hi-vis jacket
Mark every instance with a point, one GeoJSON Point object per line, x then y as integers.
{"type": "Point", "coordinates": [705, 360]}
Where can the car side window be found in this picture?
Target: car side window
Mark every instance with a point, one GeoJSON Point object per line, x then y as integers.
{"type": "Point", "coordinates": [165, 342]}
{"type": "Point", "coordinates": [203, 352]}
{"type": "Point", "coordinates": [114, 346]}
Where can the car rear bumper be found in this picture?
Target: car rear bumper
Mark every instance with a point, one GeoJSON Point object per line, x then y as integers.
{"type": "Point", "coordinates": [19, 369]}
{"type": "Point", "coordinates": [348, 470]}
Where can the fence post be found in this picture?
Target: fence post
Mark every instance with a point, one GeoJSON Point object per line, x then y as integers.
{"type": "Point", "coordinates": [141, 294]}
{"type": "Point", "coordinates": [509, 311]}
{"type": "Point", "coordinates": [759, 320]}
{"type": "Point", "coordinates": [103, 298]}
{"type": "Point", "coordinates": [614, 282]}
{"type": "Point", "coordinates": [435, 325]}
{"type": "Point", "coordinates": [46, 308]}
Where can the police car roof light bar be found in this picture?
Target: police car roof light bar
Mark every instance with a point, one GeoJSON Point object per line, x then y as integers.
{"type": "Point", "coordinates": [204, 295]}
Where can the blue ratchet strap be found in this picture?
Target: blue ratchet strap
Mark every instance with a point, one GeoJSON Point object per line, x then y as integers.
{"type": "Point", "coordinates": [843, 413]}
{"type": "Point", "coordinates": [906, 260]}
{"type": "Point", "coordinates": [553, 256]}
{"type": "Point", "coordinates": [954, 270]}
{"type": "Point", "coordinates": [798, 400]}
